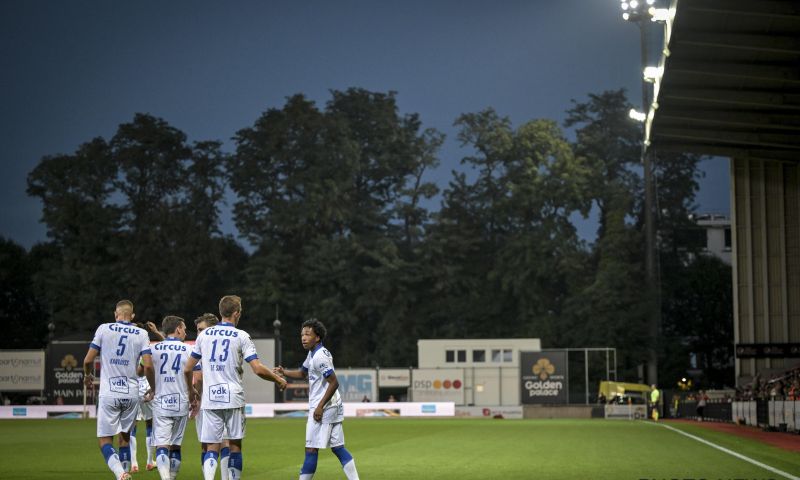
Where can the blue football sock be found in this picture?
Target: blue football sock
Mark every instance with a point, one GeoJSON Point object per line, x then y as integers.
{"type": "Point", "coordinates": [108, 451]}
{"type": "Point", "coordinates": [125, 458]}
{"type": "Point", "coordinates": [342, 454]}
{"type": "Point", "coordinates": [309, 465]}
{"type": "Point", "coordinates": [175, 461]}
{"type": "Point", "coordinates": [235, 466]}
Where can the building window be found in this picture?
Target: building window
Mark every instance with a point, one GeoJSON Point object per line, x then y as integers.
{"type": "Point", "coordinates": [496, 355]}
{"type": "Point", "coordinates": [478, 356]}
{"type": "Point", "coordinates": [728, 239]}
{"type": "Point", "coordinates": [462, 356]}
{"type": "Point", "coordinates": [507, 356]}
{"type": "Point", "coordinates": [449, 356]}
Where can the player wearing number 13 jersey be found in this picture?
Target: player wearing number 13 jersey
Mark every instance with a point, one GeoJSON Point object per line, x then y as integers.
{"type": "Point", "coordinates": [120, 346]}
{"type": "Point", "coordinates": [222, 349]}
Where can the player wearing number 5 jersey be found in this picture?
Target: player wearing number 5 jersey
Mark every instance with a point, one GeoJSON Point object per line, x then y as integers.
{"type": "Point", "coordinates": [222, 349]}
{"type": "Point", "coordinates": [171, 401]}
{"type": "Point", "coordinates": [120, 346]}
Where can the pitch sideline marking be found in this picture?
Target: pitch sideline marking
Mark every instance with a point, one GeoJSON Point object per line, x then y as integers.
{"type": "Point", "coordinates": [730, 452]}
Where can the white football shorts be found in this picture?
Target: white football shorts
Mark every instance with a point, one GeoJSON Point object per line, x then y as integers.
{"type": "Point", "coordinates": [168, 430]}
{"type": "Point", "coordinates": [223, 424]}
{"type": "Point", "coordinates": [115, 415]}
{"type": "Point", "coordinates": [323, 435]}
{"type": "Point", "coordinates": [198, 425]}
{"type": "Point", "coordinates": [145, 411]}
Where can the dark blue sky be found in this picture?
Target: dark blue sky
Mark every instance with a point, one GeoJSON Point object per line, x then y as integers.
{"type": "Point", "coordinates": [74, 70]}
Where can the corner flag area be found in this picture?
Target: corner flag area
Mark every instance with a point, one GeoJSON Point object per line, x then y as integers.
{"type": "Point", "coordinates": [403, 449]}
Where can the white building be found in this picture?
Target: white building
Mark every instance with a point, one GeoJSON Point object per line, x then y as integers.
{"type": "Point", "coordinates": [486, 370]}
{"type": "Point", "coordinates": [718, 235]}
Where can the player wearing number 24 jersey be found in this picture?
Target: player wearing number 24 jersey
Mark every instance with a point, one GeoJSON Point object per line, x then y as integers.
{"type": "Point", "coordinates": [171, 400]}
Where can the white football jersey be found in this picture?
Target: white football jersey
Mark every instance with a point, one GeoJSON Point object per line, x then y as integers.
{"type": "Point", "coordinates": [319, 366]}
{"type": "Point", "coordinates": [144, 386]}
{"type": "Point", "coordinates": [222, 349]}
{"type": "Point", "coordinates": [171, 395]}
{"type": "Point", "coordinates": [120, 345]}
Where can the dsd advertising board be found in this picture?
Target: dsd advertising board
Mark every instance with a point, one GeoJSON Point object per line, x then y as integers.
{"type": "Point", "coordinates": [543, 376]}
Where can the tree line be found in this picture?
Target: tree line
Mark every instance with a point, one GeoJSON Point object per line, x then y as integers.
{"type": "Point", "coordinates": [334, 202]}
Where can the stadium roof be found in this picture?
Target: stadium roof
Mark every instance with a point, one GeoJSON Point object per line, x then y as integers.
{"type": "Point", "coordinates": [729, 81]}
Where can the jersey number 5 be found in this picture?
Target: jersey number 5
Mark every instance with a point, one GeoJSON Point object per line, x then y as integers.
{"type": "Point", "coordinates": [121, 344]}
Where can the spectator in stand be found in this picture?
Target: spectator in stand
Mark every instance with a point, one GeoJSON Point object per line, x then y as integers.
{"type": "Point", "coordinates": [794, 390]}
{"type": "Point", "coordinates": [702, 400]}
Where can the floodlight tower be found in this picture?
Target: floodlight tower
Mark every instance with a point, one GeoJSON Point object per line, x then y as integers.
{"type": "Point", "coordinates": [640, 12]}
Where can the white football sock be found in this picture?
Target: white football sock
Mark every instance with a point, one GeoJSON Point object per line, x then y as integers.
{"type": "Point", "coordinates": [132, 444]}
{"type": "Point", "coordinates": [115, 465]}
{"type": "Point", "coordinates": [151, 451]}
{"type": "Point", "coordinates": [162, 462]}
{"type": "Point", "coordinates": [209, 468]}
{"type": "Point", "coordinates": [223, 467]}
{"type": "Point", "coordinates": [350, 470]}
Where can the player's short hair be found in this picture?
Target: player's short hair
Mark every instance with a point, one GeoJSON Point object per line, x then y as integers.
{"type": "Point", "coordinates": [317, 326]}
{"type": "Point", "coordinates": [228, 305]}
{"type": "Point", "coordinates": [208, 318]}
{"type": "Point", "coordinates": [126, 304]}
{"type": "Point", "coordinates": [170, 324]}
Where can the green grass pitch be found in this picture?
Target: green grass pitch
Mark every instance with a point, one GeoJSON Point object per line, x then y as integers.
{"type": "Point", "coordinates": [421, 449]}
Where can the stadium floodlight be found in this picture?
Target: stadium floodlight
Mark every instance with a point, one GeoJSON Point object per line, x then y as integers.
{"type": "Point", "coordinates": [658, 14]}
{"type": "Point", "coordinates": [637, 115]}
{"type": "Point", "coordinates": [651, 2]}
{"type": "Point", "coordinates": [633, 10]}
{"type": "Point", "coordinates": [651, 74]}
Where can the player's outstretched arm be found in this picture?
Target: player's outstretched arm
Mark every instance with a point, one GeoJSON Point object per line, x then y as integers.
{"type": "Point", "coordinates": [298, 374]}
{"type": "Point", "coordinates": [262, 371]}
{"type": "Point", "coordinates": [154, 330]}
